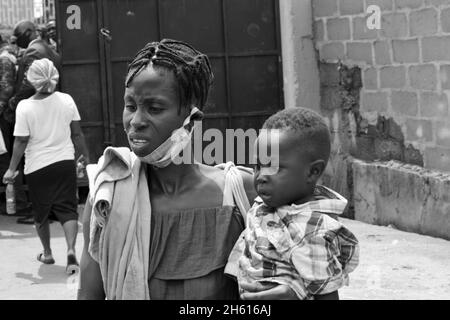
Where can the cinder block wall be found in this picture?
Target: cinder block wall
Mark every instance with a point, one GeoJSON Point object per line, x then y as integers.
{"type": "Point", "coordinates": [405, 66]}
{"type": "Point", "coordinates": [385, 94]}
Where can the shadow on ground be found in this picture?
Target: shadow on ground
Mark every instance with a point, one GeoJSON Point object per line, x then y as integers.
{"type": "Point", "coordinates": [47, 274]}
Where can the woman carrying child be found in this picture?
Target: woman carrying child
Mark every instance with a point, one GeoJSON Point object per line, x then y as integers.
{"type": "Point", "coordinates": [154, 229]}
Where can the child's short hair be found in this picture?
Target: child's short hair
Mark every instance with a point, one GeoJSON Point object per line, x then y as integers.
{"type": "Point", "coordinates": [311, 127]}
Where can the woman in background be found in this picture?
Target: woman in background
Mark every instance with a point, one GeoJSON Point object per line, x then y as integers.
{"type": "Point", "coordinates": [46, 130]}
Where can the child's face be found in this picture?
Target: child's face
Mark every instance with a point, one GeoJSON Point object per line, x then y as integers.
{"type": "Point", "coordinates": [288, 184]}
{"type": "Point", "coordinates": [151, 110]}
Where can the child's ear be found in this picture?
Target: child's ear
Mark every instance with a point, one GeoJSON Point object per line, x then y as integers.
{"type": "Point", "coordinates": [316, 169]}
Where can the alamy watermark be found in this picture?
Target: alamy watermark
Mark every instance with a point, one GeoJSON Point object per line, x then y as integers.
{"type": "Point", "coordinates": [235, 145]}
{"type": "Point", "coordinates": [73, 21]}
{"type": "Point", "coordinates": [373, 21]}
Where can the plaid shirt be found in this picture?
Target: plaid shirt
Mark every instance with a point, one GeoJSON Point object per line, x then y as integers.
{"type": "Point", "coordinates": [301, 246]}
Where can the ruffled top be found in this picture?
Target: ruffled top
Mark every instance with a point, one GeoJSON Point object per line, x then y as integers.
{"type": "Point", "coordinates": [190, 245]}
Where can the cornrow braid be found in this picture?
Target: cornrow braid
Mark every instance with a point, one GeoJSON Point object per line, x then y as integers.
{"type": "Point", "coordinates": [192, 69]}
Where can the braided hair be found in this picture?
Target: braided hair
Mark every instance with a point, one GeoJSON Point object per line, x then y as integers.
{"type": "Point", "coordinates": [192, 69]}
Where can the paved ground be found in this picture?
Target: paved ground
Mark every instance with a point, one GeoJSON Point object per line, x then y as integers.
{"type": "Point", "coordinates": [398, 265]}
{"type": "Point", "coordinates": [394, 265]}
{"type": "Point", "coordinates": [21, 275]}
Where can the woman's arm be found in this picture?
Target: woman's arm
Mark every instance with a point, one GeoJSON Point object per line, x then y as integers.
{"type": "Point", "coordinates": [78, 140]}
{"type": "Point", "coordinates": [20, 144]}
{"type": "Point", "coordinates": [91, 283]}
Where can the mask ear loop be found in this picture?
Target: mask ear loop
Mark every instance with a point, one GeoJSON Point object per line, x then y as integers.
{"type": "Point", "coordinates": [195, 116]}
{"type": "Point", "coordinates": [169, 149]}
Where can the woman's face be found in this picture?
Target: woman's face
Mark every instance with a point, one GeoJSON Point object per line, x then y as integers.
{"type": "Point", "coordinates": [151, 110]}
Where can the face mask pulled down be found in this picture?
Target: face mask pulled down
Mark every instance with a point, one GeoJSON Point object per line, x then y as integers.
{"type": "Point", "coordinates": [164, 155]}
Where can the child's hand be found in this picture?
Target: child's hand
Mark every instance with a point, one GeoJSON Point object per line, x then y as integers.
{"type": "Point", "coordinates": [256, 291]}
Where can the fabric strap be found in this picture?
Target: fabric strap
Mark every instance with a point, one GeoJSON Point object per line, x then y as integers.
{"type": "Point", "coordinates": [234, 192]}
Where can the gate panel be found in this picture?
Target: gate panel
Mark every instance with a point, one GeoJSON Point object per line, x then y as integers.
{"type": "Point", "coordinates": [82, 73]}
{"type": "Point", "coordinates": [241, 37]}
{"type": "Point", "coordinates": [79, 44]}
{"type": "Point", "coordinates": [253, 89]}
{"type": "Point", "coordinates": [254, 58]}
{"type": "Point", "coordinates": [252, 25]}
{"type": "Point", "coordinates": [132, 23]}
{"type": "Point", "coordinates": [197, 22]}
{"type": "Point", "coordinates": [217, 100]}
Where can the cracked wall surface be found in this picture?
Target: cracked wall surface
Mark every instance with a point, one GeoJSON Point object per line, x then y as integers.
{"type": "Point", "coordinates": [352, 135]}
{"type": "Point", "coordinates": [374, 166]}
{"type": "Point", "coordinates": [385, 94]}
{"type": "Point", "coordinates": [405, 70]}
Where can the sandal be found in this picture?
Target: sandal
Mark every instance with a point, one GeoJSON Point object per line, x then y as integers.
{"type": "Point", "coordinates": [41, 258]}
{"type": "Point", "coordinates": [72, 264]}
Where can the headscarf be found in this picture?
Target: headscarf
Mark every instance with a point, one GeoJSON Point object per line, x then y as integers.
{"type": "Point", "coordinates": [43, 75]}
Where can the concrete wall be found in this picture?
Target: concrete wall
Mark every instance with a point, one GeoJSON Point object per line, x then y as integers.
{"type": "Point", "coordinates": [408, 197]}
{"type": "Point", "coordinates": [405, 65]}
{"type": "Point", "coordinates": [385, 94]}
{"type": "Point", "coordinates": [300, 64]}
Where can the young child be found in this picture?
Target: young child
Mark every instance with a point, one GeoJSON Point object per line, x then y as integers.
{"type": "Point", "coordinates": [292, 236]}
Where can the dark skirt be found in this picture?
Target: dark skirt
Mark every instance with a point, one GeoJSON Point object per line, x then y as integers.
{"type": "Point", "coordinates": [52, 192]}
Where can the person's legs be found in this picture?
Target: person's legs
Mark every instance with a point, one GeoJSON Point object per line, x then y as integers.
{"type": "Point", "coordinates": [41, 201]}
{"type": "Point", "coordinates": [70, 232]}
{"type": "Point", "coordinates": [43, 231]}
{"type": "Point", "coordinates": [65, 209]}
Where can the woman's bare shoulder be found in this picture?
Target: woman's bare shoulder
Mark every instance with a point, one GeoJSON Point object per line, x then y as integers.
{"type": "Point", "coordinates": [217, 175]}
{"type": "Point", "coordinates": [247, 177]}
{"type": "Point", "coordinates": [212, 174]}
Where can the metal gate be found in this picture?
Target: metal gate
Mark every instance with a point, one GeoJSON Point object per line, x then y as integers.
{"type": "Point", "coordinates": [97, 38]}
